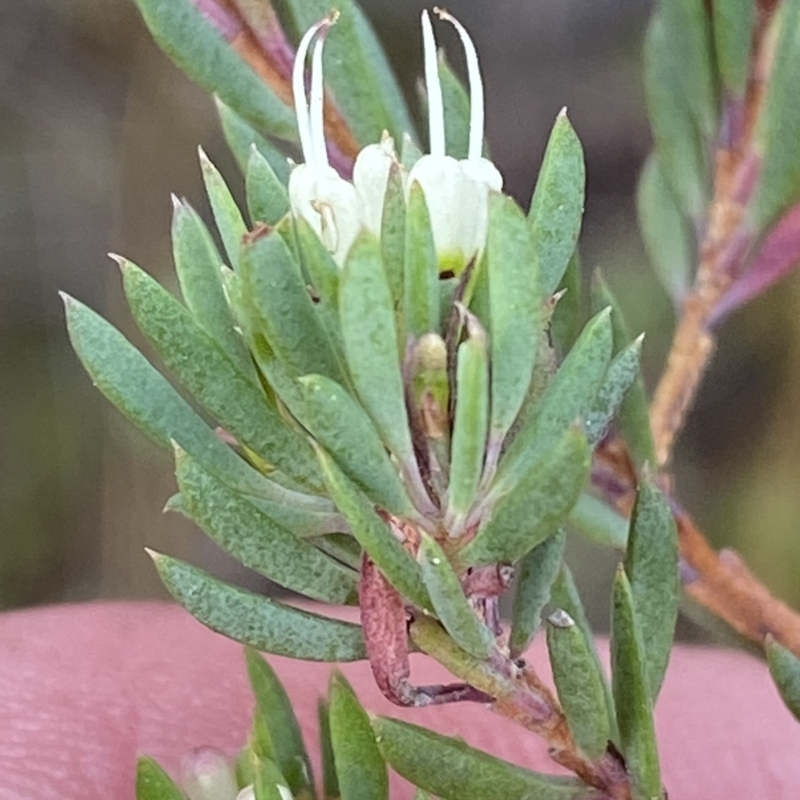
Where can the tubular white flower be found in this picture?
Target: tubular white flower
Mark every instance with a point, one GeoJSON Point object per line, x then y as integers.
{"type": "Point", "coordinates": [456, 191]}
{"type": "Point", "coordinates": [335, 208]}
{"type": "Point", "coordinates": [317, 192]}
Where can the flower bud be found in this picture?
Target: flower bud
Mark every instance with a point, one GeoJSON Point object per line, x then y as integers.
{"type": "Point", "coordinates": [207, 774]}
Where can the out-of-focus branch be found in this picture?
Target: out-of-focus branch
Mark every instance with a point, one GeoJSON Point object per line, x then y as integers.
{"type": "Point", "coordinates": [254, 31]}
{"type": "Point", "coordinates": [728, 275]}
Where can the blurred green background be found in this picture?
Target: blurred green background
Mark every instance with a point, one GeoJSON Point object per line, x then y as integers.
{"type": "Point", "coordinates": [97, 128]}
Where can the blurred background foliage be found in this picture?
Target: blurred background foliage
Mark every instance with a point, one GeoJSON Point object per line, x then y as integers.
{"type": "Point", "coordinates": [97, 128]}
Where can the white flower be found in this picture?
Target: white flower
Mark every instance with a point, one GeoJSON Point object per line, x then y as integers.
{"type": "Point", "coordinates": [456, 192]}
{"type": "Point", "coordinates": [335, 208]}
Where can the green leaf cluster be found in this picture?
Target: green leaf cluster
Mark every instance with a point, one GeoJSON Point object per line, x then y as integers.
{"type": "Point", "coordinates": [357, 751]}
{"type": "Point", "coordinates": [355, 403]}
{"type": "Point", "coordinates": [701, 67]}
{"type": "Point", "coordinates": [438, 426]}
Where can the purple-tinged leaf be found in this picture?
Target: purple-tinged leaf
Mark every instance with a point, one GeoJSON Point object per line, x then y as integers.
{"type": "Point", "coordinates": [778, 256]}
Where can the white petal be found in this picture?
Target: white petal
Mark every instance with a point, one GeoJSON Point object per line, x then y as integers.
{"type": "Point", "coordinates": [447, 195]}
{"type": "Point", "coordinates": [316, 110]}
{"type": "Point", "coordinates": [302, 191]}
{"type": "Point", "coordinates": [371, 177]}
{"type": "Point", "coordinates": [336, 201]}
{"type": "Point", "coordinates": [306, 125]}
{"type": "Point", "coordinates": [483, 171]}
{"type": "Point", "coordinates": [329, 204]}
{"type": "Point", "coordinates": [479, 178]}
{"type": "Point", "coordinates": [476, 101]}
{"type": "Point", "coordinates": [433, 87]}
{"type": "Point", "coordinates": [299, 92]}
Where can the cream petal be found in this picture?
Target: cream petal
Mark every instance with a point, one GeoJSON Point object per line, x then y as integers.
{"type": "Point", "coordinates": [443, 183]}
{"type": "Point", "coordinates": [370, 178]}
{"type": "Point", "coordinates": [482, 177]}
{"type": "Point", "coordinates": [329, 204]}
{"type": "Point", "coordinates": [302, 191]}
{"type": "Point", "coordinates": [336, 202]}
{"type": "Point", "coordinates": [483, 171]}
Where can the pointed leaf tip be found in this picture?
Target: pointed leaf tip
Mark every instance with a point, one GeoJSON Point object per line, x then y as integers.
{"type": "Point", "coordinates": [785, 669]}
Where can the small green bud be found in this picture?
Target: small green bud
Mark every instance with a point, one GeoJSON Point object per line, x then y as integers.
{"type": "Point", "coordinates": [430, 384]}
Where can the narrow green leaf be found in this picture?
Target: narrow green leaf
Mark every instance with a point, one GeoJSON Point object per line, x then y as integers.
{"type": "Point", "coordinates": [228, 217]}
{"type": "Point", "coordinates": [267, 198]}
{"type": "Point", "coordinates": [734, 25]}
{"type": "Point", "coordinates": [356, 70]}
{"type": "Point", "coordinates": [341, 546]}
{"type": "Point", "coordinates": [544, 369]}
{"type": "Point", "coordinates": [191, 41]}
{"type": "Point", "coordinates": [631, 696]}
{"type": "Point", "coordinates": [198, 263]}
{"type": "Point", "coordinates": [323, 275]}
{"type": "Point", "coordinates": [410, 152]}
{"type": "Point", "coordinates": [678, 143]}
{"type": "Point", "coordinates": [564, 595]}
{"type": "Point", "coordinates": [785, 668]}
{"type": "Point", "coordinates": [259, 542]}
{"type": "Point", "coordinates": [241, 137]}
{"type": "Point", "coordinates": [371, 347]}
{"type": "Point", "coordinates": [283, 737]}
{"type": "Point", "coordinates": [565, 324]}
{"type": "Point", "coordinates": [420, 268]}
{"type": "Point", "coordinates": [569, 397]}
{"type": "Point", "coordinates": [330, 780]}
{"type": "Point", "coordinates": [651, 565]}
{"type": "Point", "coordinates": [153, 782]}
{"type": "Point", "coordinates": [375, 535]}
{"type": "Point", "coordinates": [598, 522]}
{"type": "Point", "coordinates": [779, 125]}
{"type": "Point", "coordinates": [393, 237]}
{"type": "Point", "coordinates": [450, 603]}
{"type": "Point", "coordinates": [667, 237]}
{"type": "Point", "coordinates": [515, 303]}
{"type": "Point", "coordinates": [360, 767]}
{"type": "Point", "coordinates": [304, 515]}
{"type": "Point", "coordinates": [536, 572]}
{"type": "Point", "coordinates": [470, 425]}
{"type": "Point", "coordinates": [268, 781]}
{"type": "Point", "coordinates": [236, 401]}
{"type": "Point", "coordinates": [687, 28]}
{"type": "Point", "coordinates": [622, 373]}
{"type": "Point", "coordinates": [284, 309]}
{"type": "Point", "coordinates": [634, 414]}
{"type": "Point", "coordinates": [581, 687]}
{"type": "Point", "coordinates": [557, 204]}
{"type": "Point", "coordinates": [448, 767]}
{"type": "Point", "coordinates": [143, 395]}
{"type": "Point", "coordinates": [346, 432]}
{"type": "Point", "coordinates": [533, 509]}
{"type": "Point", "coordinates": [252, 619]}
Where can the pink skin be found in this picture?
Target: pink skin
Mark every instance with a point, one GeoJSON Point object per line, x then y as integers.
{"type": "Point", "coordinates": [84, 689]}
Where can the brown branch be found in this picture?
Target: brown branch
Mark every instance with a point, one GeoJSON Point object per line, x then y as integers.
{"type": "Point", "coordinates": [720, 581]}
{"type": "Point", "coordinates": [519, 694]}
